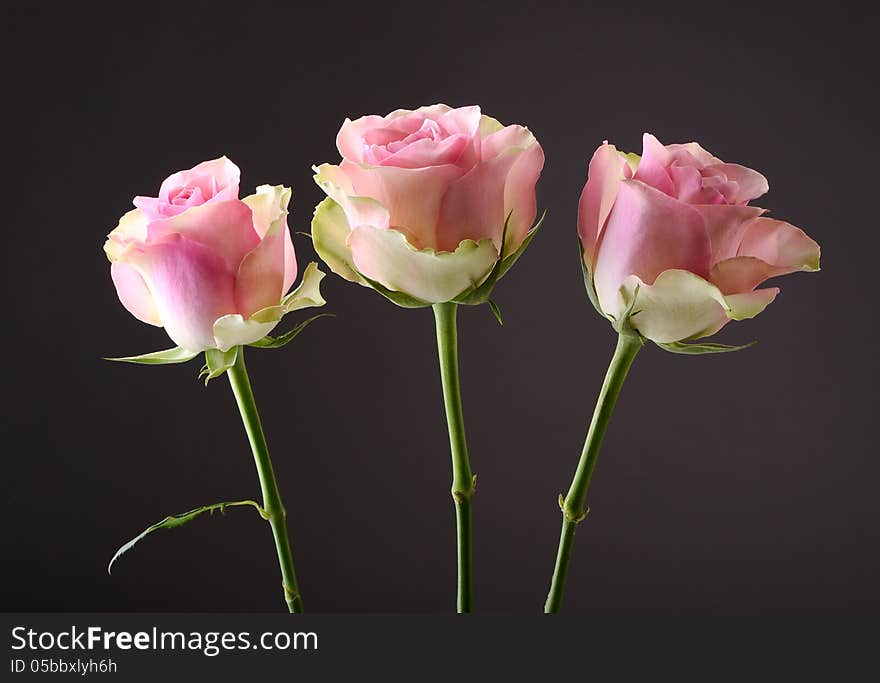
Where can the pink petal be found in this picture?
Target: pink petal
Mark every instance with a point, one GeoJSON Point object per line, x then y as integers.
{"type": "Point", "coordinates": [726, 224]}
{"type": "Point", "coordinates": [215, 180]}
{"type": "Point", "coordinates": [464, 120]}
{"type": "Point", "coordinates": [412, 197]}
{"type": "Point", "coordinates": [260, 280]}
{"type": "Point", "coordinates": [226, 228]}
{"type": "Point", "coordinates": [751, 184]}
{"type": "Point", "coordinates": [780, 244]}
{"type": "Point", "coordinates": [607, 169]}
{"type": "Point", "coordinates": [749, 304]}
{"type": "Point", "coordinates": [427, 152]}
{"type": "Point", "coordinates": [190, 285]}
{"type": "Point", "coordinates": [134, 293]}
{"type": "Point", "coordinates": [520, 200]}
{"type": "Point", "coordinates": [695, 151]}
{"type": "Point", "coordinates": [647, 233]}
{"type": "Point", "coordinates": [477, 204]}
{"type": "Point", "coordinates": [473, 208]}
{"type": "Point", "coordinates": [741, 274]}
{"type": "Point", "coordinates": [653, 164]}
{"type": "Point", "coordinates": [349, 140]}
{"type": "Point", "coordinates": [266, 211]}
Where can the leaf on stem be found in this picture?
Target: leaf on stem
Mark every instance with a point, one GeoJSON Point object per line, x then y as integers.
{"type": "Point", "coordinates": [174, 521]}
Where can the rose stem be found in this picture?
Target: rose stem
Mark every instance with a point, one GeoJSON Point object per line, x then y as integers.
{"type": "Point", "coordinates": [462, 477]}
{"type": "Point", "coordinates": [573, 509]}
{"type": "Point", "coordinates": [274, 508]}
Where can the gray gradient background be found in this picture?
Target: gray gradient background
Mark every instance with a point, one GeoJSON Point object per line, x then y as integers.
{"type": "Point", "coordinates": [740, 484]}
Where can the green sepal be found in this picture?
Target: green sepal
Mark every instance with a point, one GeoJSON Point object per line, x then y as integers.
{"type": "Point", "coordinates": [700, 349]}
{"type": "Point", "coordinates": [402, 299]}
{"type": "Point", "coordinates": [174, 521]}
{"type": "Point", "coordinates": [269, 342]}
{"type": "Point", "coordinates": [479, 294]}
{"type": "Point", "coordinates": [175, 355]}
{"type": "Point", "coordinates": [217, 362]}
{"type": "Point", "coordinates": [495, 311]}
{"type": "Point", "coordinates": [588, 280]}
{"type": "Point", "coordinates": [508, 261]}
{"type": "Point", "coordinates": [624, 325]}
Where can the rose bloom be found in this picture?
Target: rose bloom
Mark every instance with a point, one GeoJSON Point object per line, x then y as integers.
{"type": "Point", "coordinates": [208, 267]}
{"type": "Point", "coordinates": [420, 199]}
{"type": "Point", "coordinates": [676, 224]}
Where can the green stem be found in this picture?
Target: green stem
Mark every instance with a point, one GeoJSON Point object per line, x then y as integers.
{"type": "Point", "coordinates": [573, 505]}
{"type": "Point", "coordinates": [462, 477]}
{"type": "Point", "coordinates": [274, 508]}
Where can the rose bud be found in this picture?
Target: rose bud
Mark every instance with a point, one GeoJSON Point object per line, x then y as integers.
{"type": "Point", "coordinates": [208, 267]}
{"type": "Point", "coordinates": [429, 205]}
{"type": "Point", "coordinates": [672, 247]}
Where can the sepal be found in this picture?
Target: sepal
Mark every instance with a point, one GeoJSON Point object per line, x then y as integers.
{"type": "Point", "coordinates": [623, 325]}
{"type": "Point", "coordinates": [269, 342]}
{"type": "Point", "coordinates": [479, 294]}
{"type": "Point", "coordinates": [588, 280]}
{"type": "Point", "coordinates": [402, 299]}
{"type": "Point", "coordinates": [495, 311]}
{"type": "Point", "coordinates": [217, 362]}
{"type": "Point", "coordinates": [166, 357]}
{"type": "Point", "coordinates": [700, 349]}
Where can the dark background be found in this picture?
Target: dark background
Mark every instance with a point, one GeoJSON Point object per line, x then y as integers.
{"type": "Point", "coordinates": [734, 484]}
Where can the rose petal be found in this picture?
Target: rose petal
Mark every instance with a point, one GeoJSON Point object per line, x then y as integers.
{"type": "Point", "coordinates": [751, 184]}
{"type": "Point", "coordinates": [473, 208]}
{"type": "Point", "coordinates": [226, 228]}
{"type": "Point", "coordinates": [260, 279]}
{"type": "Point", "coordinates": [678, 306]}
{"type": "Point", "coordinates": [132, 228]}
{"type": "Point", "coordinates": [267, 205]}
{"type": "Point", "coordinates": [134, 293]}
{"type": "Point", "coordinates": [234, 330]}
{"type": "Point", "coordinates": [780, 244]}
{"type": "Point", "coordinates": [191, 286]}
{"type": "Point", "coordinates": [749, 304]}
{"type": "Point", "coordinates": [330, 232]}
{"type": "Point", "coordinates": [607, 168]}
{"type": "Point", "coordinates": [387, 257]}
{"type": "Point", "coordinates": [427, 152]}
{"type": "Point", "coordinates": [647, 233]}
{"type": "Point", "coordinates": [652, 167]}
{"type": "Point", "coordinates": [412, 197]}
{"type": "Point", "coordinates": [726, 224]}
{"type": "Point", "coordinates": [741, 274]}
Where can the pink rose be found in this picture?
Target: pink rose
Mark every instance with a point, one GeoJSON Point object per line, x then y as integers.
{"type": "Point", "coordinates": [209, 268]}
{"type": "Point", "coordinates": [419, 202]}
{"type": "Point", "coordinates": [676, 224]}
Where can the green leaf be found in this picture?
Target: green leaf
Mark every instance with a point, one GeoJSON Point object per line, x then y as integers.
{"type": "Point", "coordinates": [699, 349]}
{"type": "Point", "coordinates": [217, 362]}
{"type": "Point", "coordinates": [588, 280]}
{"type": "Point", "coordinates": [175, 355]}
{"type": "Point", "coordinates": [174, 521]}
{"type": "Point", "coordinates": [495, 311]}
{"type": "Point", "coordinates": [269, 342]}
